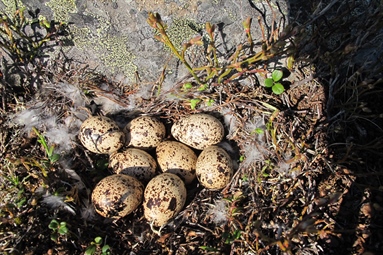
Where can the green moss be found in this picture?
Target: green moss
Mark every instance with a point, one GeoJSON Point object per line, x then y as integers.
{"type": "Point", "coordinates": [62, 8]}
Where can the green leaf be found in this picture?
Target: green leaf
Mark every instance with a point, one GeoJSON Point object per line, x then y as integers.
{"type": "Point", "coordinates": [278, 88]}
{"type": "Point", "coordinates": [98, 240]}
{"type": "Point", "coordinates": [90, 250]}
{"type": "Point", "coordinates": [54, 158]}
{"type": "Point", "coordinates": [194, 102]}
{"type": "Point", "coordinates": [63, 230]}
{"type": "Point", "coordinates": [21, 202]}
{"type": "Point", "coordinates": [210, 102]}
{"type": "Point", "coordinates": [277, 75]}
{"type": "Point", "coordinates": [207, 248]}
{"type": "Point", "coordinates": [54, 237]}
{"type": "Point", "coordinates": [187, 86]}
{"type": "Point", "coordinates": [202, 87]}
{"type": "Point", "coordinates": [258, 131]}
{"type": "Point", "coordinates": [237, 234]}
{"type": "Point", "coordinates": [269, 82]}
{"type": "Point", "coordinates": [53, 225]}
{"type": "Point", "coordinates": [105, 249]}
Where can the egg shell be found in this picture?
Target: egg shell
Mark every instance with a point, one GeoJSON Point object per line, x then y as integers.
{"type": "Point", "coordinates": [117, 195]}
{"type": "Point", "coordinates": [101, 135]}
{"type": "Point", "coordinates": [177, 158]}
{"type": "Point", "coordinates": [134, 162]}
{"type": "Point", "coordinates": [214, 168]}
{"type": "Point", "coordinates": [198, 130]}
{"type": "Point", "coordinates": [164, 198]}
{"type": "Point", "coordinates": [144, 132]}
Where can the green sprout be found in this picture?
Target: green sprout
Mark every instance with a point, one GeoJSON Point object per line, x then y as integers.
{"type": "Point", "coordinates": [275, 82]}
{"type": "Point", "coordinates": [49, 150]}
{"type": "Point", "coordinates": [59, 229]}
{"type": "Point", "coordinates": [194, 102]}
{"type": "Point", "coordinates": [19, 185]}
{"type": "Point", "coordinates": [96, 247]}
{"type": "Point", "coordinates": [231, 237]}
{"type": "Point", "coordinates": [208, 248]}
{"type": "Point", "coordinates": [258, 131]}
{"type": "Point", "coordinates": [187, 86]}
{"type": "Point", "coordinates": [210, 102]}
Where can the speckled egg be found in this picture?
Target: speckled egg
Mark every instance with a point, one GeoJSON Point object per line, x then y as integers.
{"type": "Point", "coordinates": [214, 168]}
{"type": "Point", "coordinates": [117, 195]}
{"type": "Point", "coordinates": [177, 158]}
{"type": "Point", "coordinates": [198, 130]}
{"type": "Point", "coordinates": [164, 198]}
{"type": "Point", "coordinates": [144, 132]}
{"type": "Point", "coordinates": [134, 162]}
{"type": "Point", "coordinates": [101, 135]}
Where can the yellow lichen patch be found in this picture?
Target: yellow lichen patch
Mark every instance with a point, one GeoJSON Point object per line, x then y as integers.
{"type": "Point", "coordinates": [111, 50]}
{"type": "Point", "coordinates": [182, 30]}
{"type": "Point", "coordinates": [168, 7]}
{"type": "Point", "coordinates": [11, 6]}
{"type": "Point", "coordinates": [81, 36]}
{"type": "Point", "coordinates": [116, 55]}
{"type": "Point", "coordinates": [62, 8]}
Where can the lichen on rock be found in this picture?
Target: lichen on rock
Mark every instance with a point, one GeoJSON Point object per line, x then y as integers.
{"type": "Point", "coordinates": [12, 5]}
{"type": "Point", "coordinates": [62, 9]}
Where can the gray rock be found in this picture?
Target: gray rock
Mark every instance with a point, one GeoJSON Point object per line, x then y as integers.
{"type": "Point", "coordinates": [113, 37]}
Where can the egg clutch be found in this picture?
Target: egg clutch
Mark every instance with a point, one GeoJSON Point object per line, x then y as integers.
{"type": "Point", "coordinates": [165, 194]}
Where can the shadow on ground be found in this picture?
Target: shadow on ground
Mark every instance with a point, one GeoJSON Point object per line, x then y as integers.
{"type": "Point", "coordinates": [343, 40]}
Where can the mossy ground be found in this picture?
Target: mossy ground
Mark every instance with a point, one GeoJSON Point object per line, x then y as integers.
{"type": "Point", "coordinates": [310, 181]}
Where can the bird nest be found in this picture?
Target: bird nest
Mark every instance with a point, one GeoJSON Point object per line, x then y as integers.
{"type": "Point", "coordinates": [293, 190]}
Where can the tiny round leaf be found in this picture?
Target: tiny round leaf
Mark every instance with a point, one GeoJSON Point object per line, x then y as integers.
{"type": "Point", "coordinates": [278, 88]}
{"type": "Point", "coordinates": [269, 83]}
{"type": "Point", "coordinates": [98, 240]}
{"type": "Point", "coordinates": [277, 75]}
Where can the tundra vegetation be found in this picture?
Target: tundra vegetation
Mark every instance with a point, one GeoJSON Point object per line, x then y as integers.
{"type": "Point", "coordinates": [306, 137]}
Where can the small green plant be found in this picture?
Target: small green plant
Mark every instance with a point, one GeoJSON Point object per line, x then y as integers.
{"type": "Point", "coordinates": [59, 229]}
{"type": "Point", "coordinates": [96, 247]}
{"type": "Point", "coordinates": [18, 185]}
{"type": "Point", "coordinates": [242, 62]}
{"type": "Point", "coordinates": [194, 102]}
{"type": "Point", "coordinates": [232, 237]}
{"type": "Point", "coordinates": [258, 131]}
{"type": "Point", "coordinates": [208, 248]}
{"type": "Point", "coordinates": [245, 178]}
{"type": "Point", "coordinates": [275, 82]}
{"type": "Point", "coordinates": [25, 46]}
{"type": "Point", "coordinates": [49, 150]}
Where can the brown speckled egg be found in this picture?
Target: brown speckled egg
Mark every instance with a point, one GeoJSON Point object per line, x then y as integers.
{"type": "Point", "coordinates": [101, 135]}
{"type": "Point", "coordinates": [177, 158]}
{"type": "Point", "coordinates": [198, 130]}
{"type": "Point", "coordinates": [214, 168]}
{"type": "Point", "coordinates": [117, 195]}
{"type": "Point", "coordinates": [144, 132]}
{"type": "Point", "coordinates": [164, 198]}
{"type": "Point", "coordinates": [134, 162]}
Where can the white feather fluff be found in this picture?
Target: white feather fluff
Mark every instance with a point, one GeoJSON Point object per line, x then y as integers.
{"type": "Point", "coordinates": [57, 202]}
{"type": "Point", "coordinates": [218, 212]}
